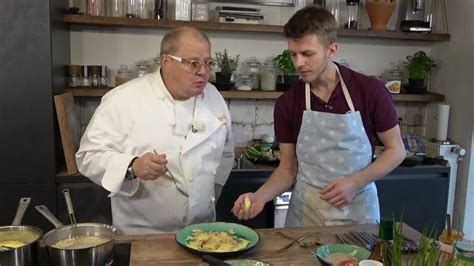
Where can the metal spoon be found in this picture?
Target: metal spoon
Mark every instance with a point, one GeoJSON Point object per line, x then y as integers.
{"type": "Point", "coordinates": [174, 179]}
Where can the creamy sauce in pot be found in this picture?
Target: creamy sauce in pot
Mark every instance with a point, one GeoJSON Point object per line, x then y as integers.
{"type": "Point", "coordinates": [81, 242]}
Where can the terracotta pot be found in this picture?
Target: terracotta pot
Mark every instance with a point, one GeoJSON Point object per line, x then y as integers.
{"type": "Point", "coordinates": [379, 14]}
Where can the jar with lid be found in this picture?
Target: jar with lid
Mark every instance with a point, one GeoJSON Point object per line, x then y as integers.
{"type": "Point", "coordinates": [161, 9]}
{"type": "Point", "coordinates": [156, 63]}
{"type": "Point", "coordinates": [143, 68]}
{"type": "Point", "coordinates": [73, 76]}
{"type": "Point", "coordinates": [104, 81]}
{"type": "Point", "coordinates": [85, 82]}
{"type": "Point", "coordinates": [253, 67]}
{"type": "Point", "coordinates": [94, 73]}
{"type": "Point", "coordinates": [352, 9]}
{"type": "Point", "coordinates": [268, 76]}
{"type": "Point", "coordinates": [123, 75]}
{"type": "Point", "coordinates": [200, 10]}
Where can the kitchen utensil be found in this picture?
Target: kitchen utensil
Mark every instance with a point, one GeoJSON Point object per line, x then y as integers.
{"type": "Point", "coordinates": [284, 248]}
{"type": "Point", "coordinates": [86, 253]}
{"type": "Point", "coordinates": [26, 254]}
{"type": "Point", "coordinates": [324, 252]}
{"type": "Point", "coordinates": [214, 261]}
{"type": "Point", "coordinates": [300, 242]}
{"type": "Point", "coordinates": [73, 232]}
{"type": "Point", "coordinates": [245, 262]}
{"type": "Point", "coordinates": [174, 180]}
{"type": "Point", "coordinates": [240, 231]}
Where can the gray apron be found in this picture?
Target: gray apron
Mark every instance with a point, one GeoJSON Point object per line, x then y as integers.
{"type": "Point", "coordinates": [330, 147]}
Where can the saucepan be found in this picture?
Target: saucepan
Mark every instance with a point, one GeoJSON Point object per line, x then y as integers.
{"type": "Point", "coordinates": [78, 244]}
{"type": "Point", "coordinates": [19, 244]}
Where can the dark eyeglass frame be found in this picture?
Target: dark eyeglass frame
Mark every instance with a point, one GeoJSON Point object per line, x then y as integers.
{"type": "Point", "coordinates": [195, 65]}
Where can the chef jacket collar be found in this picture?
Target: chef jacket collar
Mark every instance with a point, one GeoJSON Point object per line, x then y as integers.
{"type": "Point", "coordinates": [161, 91]}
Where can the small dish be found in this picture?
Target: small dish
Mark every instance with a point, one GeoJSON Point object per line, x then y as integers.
{"type": "Point", "coordinates": [340, 253]}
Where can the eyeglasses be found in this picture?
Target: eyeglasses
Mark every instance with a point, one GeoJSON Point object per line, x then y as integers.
{"type": "Point", "coordinates": [195, 65]}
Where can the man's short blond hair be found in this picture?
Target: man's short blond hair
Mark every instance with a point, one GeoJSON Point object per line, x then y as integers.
{"type": "Point", "coordinates": [172, 40]}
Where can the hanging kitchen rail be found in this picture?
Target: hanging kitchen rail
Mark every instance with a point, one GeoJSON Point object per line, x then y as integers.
{"type": "Point", "coordinates": [209, 25]}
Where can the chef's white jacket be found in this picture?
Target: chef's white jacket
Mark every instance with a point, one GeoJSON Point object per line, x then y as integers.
{"type": "Point", "coordinates": [137, 118]}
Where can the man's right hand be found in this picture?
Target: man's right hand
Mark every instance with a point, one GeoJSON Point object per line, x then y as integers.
{"type": "Point", "coordinates": [150, 166]}
{"type": "Point", "coordinates": [243, 213]}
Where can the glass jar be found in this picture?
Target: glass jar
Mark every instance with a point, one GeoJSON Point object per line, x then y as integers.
{"type": "Point", "coordinates": [94, 73]}
{"type": "Point", "coordinates": [116, 8]}
{"type": "Point", "coordinates": [156, 63]}
{"type": "Point", "coordinates": [253, 67]}
{"type": "Point", "coordinates": [94, 7]}
{"type": "Point", "coordinates": [131, 9]}
{"type": "Point", "coordinates": [85, 82]}
{"type": "Point", "coordinates": [143, 68]}
{"type": "Point", "coordinates": [334, 8]}
{"type": "Point", "coordinates": [161, 9]}
{"type": "Point", "coordinates": [352, 8]}
{"type": "Point", "coordinates": [104, 81]}
{"type": "Point", "coordinates": [299, 4]}
{"type": "Point", "coordinates": [200, 10]}
{"type": "Point", "coordinates": [182, 10]}
{"type": "Point", "coordinates": [123, 75]}
{"type": "Point", "coordinates": [73, 76]}
{"type": "Point", "coordinates": [268, 76]}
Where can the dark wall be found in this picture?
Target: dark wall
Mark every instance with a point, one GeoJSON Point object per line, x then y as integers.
{"type": "Point", "coordinates": [26, 135]}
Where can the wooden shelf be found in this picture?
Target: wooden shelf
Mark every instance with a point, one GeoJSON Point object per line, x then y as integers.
{"type": "Point", "coordinates": [208, 25]}
{"type": "Point", "coordinates": [263, 95]}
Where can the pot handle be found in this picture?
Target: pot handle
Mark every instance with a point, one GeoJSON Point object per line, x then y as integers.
{"type": "Point", "coordinates": [48, 215]}
{"type": "Point", "coordinates": [20, 211]}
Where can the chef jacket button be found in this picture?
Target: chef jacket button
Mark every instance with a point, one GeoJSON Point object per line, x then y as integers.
{"type": "Point", "coordinates": [214, 146]}
{"type": "Point", "coordinates": [190, 178]}
{"type": "Point", "coordinates": [214, 172]}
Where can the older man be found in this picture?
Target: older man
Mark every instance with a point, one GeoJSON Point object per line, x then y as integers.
{"type": "Point", "coordinates": [162, 143]}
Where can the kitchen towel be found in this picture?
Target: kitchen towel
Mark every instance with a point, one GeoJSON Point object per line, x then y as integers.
{"type": "Point", "coordinates": [442, 119]}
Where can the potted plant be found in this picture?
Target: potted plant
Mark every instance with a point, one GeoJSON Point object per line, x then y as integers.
{"type": "Point", "coordinates": [285, 65]}
{"type": "Point", "coordinates": [227, 65]}
{"type": "Point", "coordinates": [418, 67]}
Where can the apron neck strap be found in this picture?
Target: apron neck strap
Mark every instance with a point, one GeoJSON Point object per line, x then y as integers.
{"type": "Point", "coordinates": [344, 90]}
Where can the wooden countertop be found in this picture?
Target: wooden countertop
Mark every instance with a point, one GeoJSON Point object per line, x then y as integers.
{"type": "Point", "coordinates": [163, 249]}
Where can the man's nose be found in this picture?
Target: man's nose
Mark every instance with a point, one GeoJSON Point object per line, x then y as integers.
{"type": "Point", "coordinates": [202, 69]}
{"type": "Point", "coordinates": [297, 60]}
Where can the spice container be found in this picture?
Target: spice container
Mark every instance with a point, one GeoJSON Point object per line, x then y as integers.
{"type": "Point", "coordinates": [143, 68]}
{"type": "Point", "coordinates": [268, 76]}
{"type": "Point", "coordinates": [200, 10]}
{"type": "Point", "coordinates": [104, 81]}
{"type": "Point", "coordinates": [73, 76]}
{"type": "Point", "coordinates": [94, 73]}
{"type": "Point", "coordinates": [352, 8]}
{"type": "Point", "coordinates": [131, 9]}
{"type": "Point", "coordinates": [85, 82]}
{"type": "Point", "coordinates": [123, 75]}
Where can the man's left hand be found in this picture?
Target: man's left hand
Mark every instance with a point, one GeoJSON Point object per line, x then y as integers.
{"type": "Point", "coordinates": [340, 193]}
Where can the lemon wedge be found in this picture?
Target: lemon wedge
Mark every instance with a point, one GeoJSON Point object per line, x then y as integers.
{"type": "Point", "coordinates": [247, 203]}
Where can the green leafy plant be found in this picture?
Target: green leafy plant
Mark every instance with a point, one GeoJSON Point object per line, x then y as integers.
{"type": "Point", "coordinates": [284, 63]}
{"type": "Point", "coordinates": [226, 63]}
{"type": "Point", "coordinates": [418, 65]}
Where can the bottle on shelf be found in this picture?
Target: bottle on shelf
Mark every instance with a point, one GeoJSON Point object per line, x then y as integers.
{"type": "Point", "coordinates": [123, 75]}
{"type": "Point", "coordinates": [352, 9]}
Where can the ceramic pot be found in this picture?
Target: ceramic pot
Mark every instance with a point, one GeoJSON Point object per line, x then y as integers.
{"type": "Point", "coordinates": [379, 14]}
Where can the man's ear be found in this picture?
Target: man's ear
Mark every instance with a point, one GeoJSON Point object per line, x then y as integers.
{"type": "Point", "coordinates": [332, 50]}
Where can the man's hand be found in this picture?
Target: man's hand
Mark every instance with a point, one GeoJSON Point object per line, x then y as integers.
{"type": "Point", "coordinates": [247, 206]}
{"type": "Point", "coordinates": [341, 192]}
{"type": "Point", "coordinates": [150, 166]}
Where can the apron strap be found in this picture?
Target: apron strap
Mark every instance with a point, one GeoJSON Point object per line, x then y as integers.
{"type": "Point", "coordinates": [344, 90]}
{"type": "Point", "coordinates": [307, 96]}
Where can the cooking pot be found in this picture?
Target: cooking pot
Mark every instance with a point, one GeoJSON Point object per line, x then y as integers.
{"type": "Point", "coordinates": [19, 244]}
{"type": "Point", "coordinates": [82, 251]}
